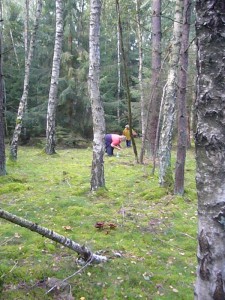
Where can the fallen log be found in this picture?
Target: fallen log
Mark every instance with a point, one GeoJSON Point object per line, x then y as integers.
{"type": "Point", "coordinates": [83, 252]}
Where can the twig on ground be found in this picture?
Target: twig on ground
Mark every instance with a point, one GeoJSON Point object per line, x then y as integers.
{"type": "Point", "coordinates": [75, 273]}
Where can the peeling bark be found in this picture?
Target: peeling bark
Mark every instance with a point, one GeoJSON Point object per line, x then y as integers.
{"type": "Point", "coordinates": [210, 149]}
{"type": "Point", "coordinates": [83, 252]}
{"type": "Point", "coordinates": [165, 145]}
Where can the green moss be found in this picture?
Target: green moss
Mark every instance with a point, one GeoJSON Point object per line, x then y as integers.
{"type": "Point", "coordinates": [12, 187]}
{"type": "Point", "coordinates": [152, 245]}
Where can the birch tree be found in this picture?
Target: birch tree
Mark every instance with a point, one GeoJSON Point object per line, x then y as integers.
{"type": "Point", "coordinates": [23, 100]}
{"type": "Point", "coordinates": [165, 144]}
{"type": "Point", "coordinates": [210, 145]}
{"type": "Point", "coordinates": [97, 171]}
{"type": "Point", "coordinates": [156, 67]}
{"type": "Point", "coordinates": [52, 99]}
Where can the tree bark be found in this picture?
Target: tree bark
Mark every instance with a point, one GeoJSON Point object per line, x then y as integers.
{"type": "Point", "coordinates": [127, 81]}
{"type": "Point", "coordinates": [52, 100]}
{"type": "Point", "coordinates": [85, 253]}
{"type": "Point", "coordinates": [119, 76]}
{"type": "Point", "coordinates": [181, 102]}
{"type": "Point", "coordinates": [165, 144]}
{"type": "Point", "coordinates": [97, 176]}
{"type": "Point", "coordinates": [210, 145]}
{"type": "Point", "coordinates": [140, 72]}
{"type": "Point", "coordinates": [2, 127]}
{"type": "Point", "coordinates": [23, 100]}
{"type": "Point", "coordinates": [156, 67]}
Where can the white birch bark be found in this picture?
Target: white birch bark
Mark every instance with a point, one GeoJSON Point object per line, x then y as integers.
{"type": "Point", "coordinates": [23, 100]}
{"type": "Point", "coordinates": [85, 253]}
{"type": "Point", "coordinates": [97, 176]}
{"type": "Point", "coordinates": [26, 28]}
{"type": "Point", "coordinates": [165, 144]}
{"type": "Point", "coordinates": [210, 145]}
{"type": "Point", "coordinates": [52, 100]}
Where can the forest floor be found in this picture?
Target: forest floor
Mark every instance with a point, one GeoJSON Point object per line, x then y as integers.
{"type": "Point", "coordinates": [151, 250]}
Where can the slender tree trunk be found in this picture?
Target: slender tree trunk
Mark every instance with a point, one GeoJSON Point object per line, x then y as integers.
{"type": "Point", "coordinates": [210, 145]}
{"type": "Point", "coordinates": [26, 28]}
{"type": "Point", "coordinates": [165, 146]}
{"type": "Point", "coordinates": [97, 176]}
{"type": "Point", "coordinates": [156, 66]}
{"type": "Point", "coordinates": [52, 100]}
{"type": "Point", "coordinates": [23, 100]}
{"type": "Point", "coordinates": [127, 81]}
{"type": "Point", "coordinates": [119, 76]}
{"type": "Point", "coordinates": [2, 127]}
{"type": "Point", "coordinates": [181, 101]}
{"type": "Point", "coordinates": [85, 253]}
{"type": "Point", "coordinates": [140, 70]}
{"type": "Point", "coordinates": [14, 47]}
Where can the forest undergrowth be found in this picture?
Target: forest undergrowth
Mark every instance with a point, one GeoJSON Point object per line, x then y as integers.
{"type": "Point", "coordinates": [148, 234]}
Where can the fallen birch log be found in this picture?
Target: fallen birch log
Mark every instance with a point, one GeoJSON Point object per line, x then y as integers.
{"type": "Point", "coordinates": [84, 252]}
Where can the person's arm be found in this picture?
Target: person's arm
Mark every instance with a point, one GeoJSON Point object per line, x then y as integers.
{"type": "Point", "coordinates": [116, 146]}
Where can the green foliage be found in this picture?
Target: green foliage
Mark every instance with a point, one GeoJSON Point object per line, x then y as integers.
{"type": "Point", "coordinates": [151, 249]}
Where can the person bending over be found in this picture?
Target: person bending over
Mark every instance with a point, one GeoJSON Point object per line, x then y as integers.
{"type": "Point", "coordinates": [113, 141]}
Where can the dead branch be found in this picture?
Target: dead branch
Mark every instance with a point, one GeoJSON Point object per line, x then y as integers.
{"type": "Point", "coordinates": [83, 252]}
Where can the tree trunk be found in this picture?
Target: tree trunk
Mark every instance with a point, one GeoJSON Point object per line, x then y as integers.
{"type": "Point", "coordinates": [127, 81]}
{"type": "Point", "coordinates": [2, 127]}
{"type": "Point", "coordinates": [26, 28]}
{"type": "Point", "coordinates": [140, 70]}
{"type": "Point", "coordinates": [156, 67]}
{"type": "Point", "coordinates": [23, 100]}
{"type": "Point", "coordinates": [97, 176]}
{"type": "Point", "coordinates": [119, 76]}
{"type": "Point", "coordinates": [210, 145]}
{"type": "Point", "coordinates": [52, 100]}
{"type": "Point", "coordinates": [85, 253]}
{"type": "Point", "coordinates": [181, 101]}
{"type": "Point", "coordinates": [165, 172]}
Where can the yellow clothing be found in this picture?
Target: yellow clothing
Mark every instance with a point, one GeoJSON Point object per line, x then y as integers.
{"type": "Point", "coordinates": [126, 132]}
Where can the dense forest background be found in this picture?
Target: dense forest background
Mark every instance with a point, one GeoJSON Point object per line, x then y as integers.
{"type": "Point", "coordinates": [73, 106]}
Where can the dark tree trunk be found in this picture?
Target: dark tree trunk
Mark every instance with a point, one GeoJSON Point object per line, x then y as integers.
{"type": "Point", "coordinates": [126, 80]}
{"type": "Point", "coordinates": [2, 127]}
{"type": "Point", "coordinates": [210, 149]}
{"type": "Point", "coordinates": [181, 102]}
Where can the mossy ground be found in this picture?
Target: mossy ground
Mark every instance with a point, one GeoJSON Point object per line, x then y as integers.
{"type": "Point", "coordinates": [152, 249]}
